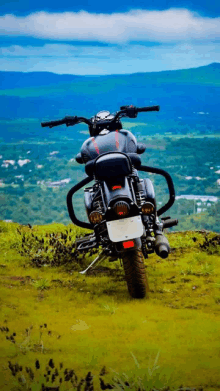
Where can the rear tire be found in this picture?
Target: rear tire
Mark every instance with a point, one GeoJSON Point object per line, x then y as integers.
{"type": "Point", "coordinates": [135, 274]}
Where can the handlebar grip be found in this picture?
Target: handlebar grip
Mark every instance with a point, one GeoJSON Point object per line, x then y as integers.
{"type": "Point", "coordinates": [149, 108]}
{"type": "Point", "coordinates": [170, 223]}
{"type": "Point", "coordinates": [53, 123]}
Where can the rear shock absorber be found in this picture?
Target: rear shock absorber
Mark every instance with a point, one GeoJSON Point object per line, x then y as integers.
{"type": "Point", "coordinates": [97, 202]}
{"type": "Point", "coordinates": [140, 196]}
{"type": "Point", "coordinates": [147, 240]}
{"type": "Point", "coordinates": [134, 180]}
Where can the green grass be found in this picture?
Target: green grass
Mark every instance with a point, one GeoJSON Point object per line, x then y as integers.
{"type": "Point", "coordinates": [90, 322]}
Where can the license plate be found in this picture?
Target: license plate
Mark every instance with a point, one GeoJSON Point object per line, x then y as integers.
{"type": "Point", "coordinates": [125, 229]}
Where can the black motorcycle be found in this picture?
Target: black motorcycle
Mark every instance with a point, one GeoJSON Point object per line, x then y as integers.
{"type": "Point", "coordinates": [121, 207]}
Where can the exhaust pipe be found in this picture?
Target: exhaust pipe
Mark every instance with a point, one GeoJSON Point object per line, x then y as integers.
{"type": "Point", "coordinates": [162, 247]}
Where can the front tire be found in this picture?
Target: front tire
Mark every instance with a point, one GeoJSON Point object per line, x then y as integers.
{"type": "Point", "coordinates": [135, 274]}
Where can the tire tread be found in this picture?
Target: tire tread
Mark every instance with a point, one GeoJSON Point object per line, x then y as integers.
{"type": "Point", "coordinates": [135, 274]}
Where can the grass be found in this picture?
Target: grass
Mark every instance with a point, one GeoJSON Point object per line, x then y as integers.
{"type": "Point", "coordinates": [41, 284]}
{"type": "Point", "coordinates": [86, 323]}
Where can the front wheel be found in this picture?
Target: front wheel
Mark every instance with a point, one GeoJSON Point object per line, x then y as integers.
{"type": "Point", "coordinates": [135, 274]}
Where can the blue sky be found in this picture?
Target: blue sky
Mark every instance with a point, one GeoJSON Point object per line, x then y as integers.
{"type": "Point", "coordinates": [85, 38]}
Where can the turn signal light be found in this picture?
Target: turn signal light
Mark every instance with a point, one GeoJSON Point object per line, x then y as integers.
{"type": "Point", "coordinates": [121, 208]}
{"type": "Point", "coordinates": [147, 208]}
{"type": "Point", "coordinates": [128, 244]}
{"type": "Point", "coordinates": [95, 217]}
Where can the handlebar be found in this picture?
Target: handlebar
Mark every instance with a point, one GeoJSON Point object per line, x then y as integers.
{"type": "Point", "coordinates": [69, 121]}
{"type": "Point", "coordinates": [126, 111]}
{"type": "Point", "coordinates": [50, 124]}
{"type": "Point", "coordinates": [131, 111]}
{"type": "Point", "coordinates": [150, 108]}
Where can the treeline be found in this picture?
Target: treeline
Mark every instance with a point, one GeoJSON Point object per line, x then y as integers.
{"type": "Point", "coordinates": [44, 207]}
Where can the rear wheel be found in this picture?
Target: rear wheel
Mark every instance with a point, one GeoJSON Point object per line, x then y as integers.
{"type": "Point", "coordinates": [135, 274]}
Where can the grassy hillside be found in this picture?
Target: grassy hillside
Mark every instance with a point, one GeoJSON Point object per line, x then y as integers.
{"type": "Point", "coordinates": [58, 324]}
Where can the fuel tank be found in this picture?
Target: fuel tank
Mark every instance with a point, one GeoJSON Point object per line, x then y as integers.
{"type": "Point", "coordinates": [120, 140]}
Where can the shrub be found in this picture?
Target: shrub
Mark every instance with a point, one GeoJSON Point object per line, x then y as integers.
{"type": "Point", "coordinates": [52, 249]}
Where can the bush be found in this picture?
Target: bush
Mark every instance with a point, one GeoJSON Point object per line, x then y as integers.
{"type": "Point", "coordinates": [52, 249]}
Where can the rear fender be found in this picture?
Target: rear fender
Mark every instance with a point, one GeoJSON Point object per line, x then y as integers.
{"type": "Point", "coordinates": [115, 188]}
{"type": "Point", "coordinates": [118, 189]}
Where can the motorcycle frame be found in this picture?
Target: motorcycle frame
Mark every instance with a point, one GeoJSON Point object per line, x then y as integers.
{"type": "Point", "coordinates": [88, 179]}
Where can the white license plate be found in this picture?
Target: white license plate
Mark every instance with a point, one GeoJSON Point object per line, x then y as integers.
{"type": "Point", "coordinates": [125, 229]}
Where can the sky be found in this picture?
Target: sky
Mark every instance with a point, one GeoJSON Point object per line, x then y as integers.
{"type": "Point", "coordinates": [98, 38]}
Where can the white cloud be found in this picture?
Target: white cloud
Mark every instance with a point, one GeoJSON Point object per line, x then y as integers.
{"type": "Point", "coordinates": [55, 50]}
{"type": "Point", "coordinates": [180, 51]}
{"type": "Point", "coordinates": [172, 25]}
{"type": "Point", "coordinates": [85, 60]}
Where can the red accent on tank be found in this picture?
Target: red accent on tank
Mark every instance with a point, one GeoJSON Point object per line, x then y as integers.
{"type": "Point", "coordinates": [117, 138]}
{"type": "Point", "coordinates": [128, 244]}
{"type": "Point", "coordinates": [95, 145]}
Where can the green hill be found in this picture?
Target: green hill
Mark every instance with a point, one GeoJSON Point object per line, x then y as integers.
{"type": "Point", "coordinates": [43, 94]}
{"type": "Point", "coordinates": [34, 83]}
{"type": "Point", "coordinates": [58, 326]}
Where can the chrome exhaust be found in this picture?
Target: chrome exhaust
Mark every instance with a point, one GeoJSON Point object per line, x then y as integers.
{"type": "Point", "coordinates": [162, 247]}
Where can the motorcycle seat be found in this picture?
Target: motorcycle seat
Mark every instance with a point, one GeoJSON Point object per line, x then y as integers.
{"type": "Point", "coordinates": [133, 160]}
{"type": "Point", "coordinates": [118, 141]}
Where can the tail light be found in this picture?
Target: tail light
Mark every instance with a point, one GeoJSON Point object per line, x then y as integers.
{"type": "Point", "coordinates": [95, 217]}
{"type": "Point", "coordinates": [121, 208]}
{"type": "Point", "coordinates": [128, 244]}
{"type": "Point", "coordinates": [147, 208]}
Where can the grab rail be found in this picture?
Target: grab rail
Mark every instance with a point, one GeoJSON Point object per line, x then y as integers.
{"type": "Point", "coordinates": [141, 168]}
{"type": "Point", "coordinates": [72, 215]}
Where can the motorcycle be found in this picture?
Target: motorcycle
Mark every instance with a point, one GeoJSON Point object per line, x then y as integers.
{"type": "Point", "coordinates": [121, 207]}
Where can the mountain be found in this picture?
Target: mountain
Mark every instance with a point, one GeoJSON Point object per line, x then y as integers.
{"type": "Point", "coordinates": [49, 95]}
{"type": "Point", "coordinates": [13, 80]}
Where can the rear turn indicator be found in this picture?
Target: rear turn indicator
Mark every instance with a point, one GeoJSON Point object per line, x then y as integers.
{"type": "Point", "coordinates": [95, 217]}
{"type": "Point", "coordinates": [147, 208]}
{"type": "Point", "coordinates": [128, 244]}
{"type": "Point", "coordinates": [121, 208]}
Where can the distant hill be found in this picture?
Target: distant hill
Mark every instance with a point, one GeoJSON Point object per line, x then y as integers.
{"type": "Point", "coordinates": [204, 75]}
{"type": "Point", "coordinates": [49, 95]}
{"type": "Point", "coordinates": [11, 80]}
